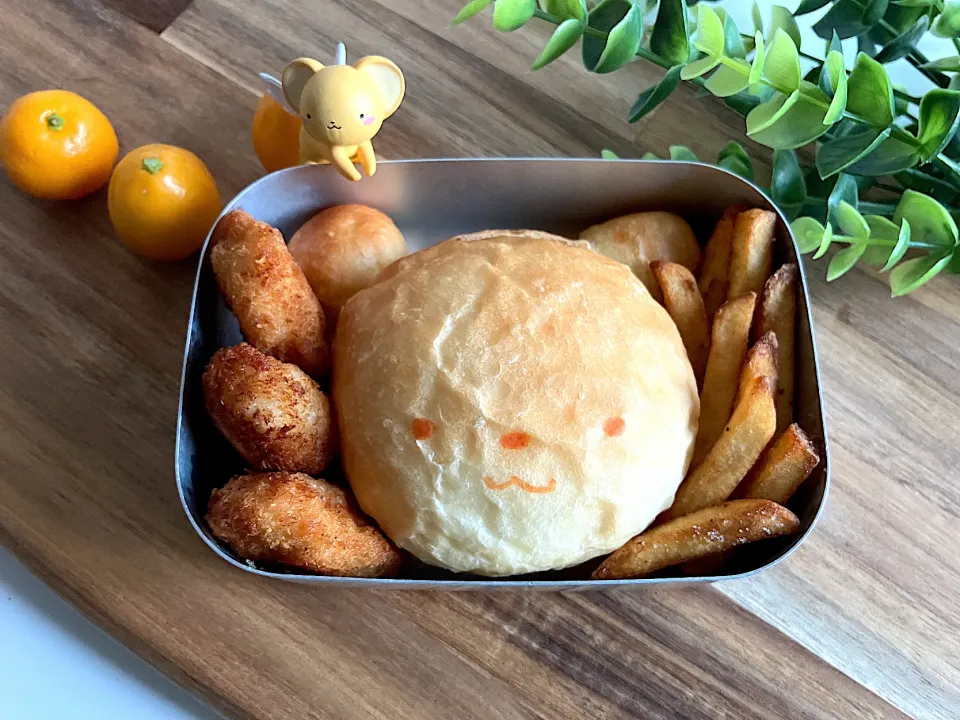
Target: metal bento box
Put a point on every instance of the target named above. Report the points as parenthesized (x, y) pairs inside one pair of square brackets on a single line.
[(431, 201)]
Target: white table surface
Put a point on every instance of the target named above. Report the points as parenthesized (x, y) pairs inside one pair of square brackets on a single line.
[(57, 665), (54, 663)]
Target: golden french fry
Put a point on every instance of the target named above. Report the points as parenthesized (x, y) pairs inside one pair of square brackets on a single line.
[(761, 362), (784, 466), (751, 426), (777, 313), (701, 534), (684, 303), (715, 269), (728, 347), (751, 252)]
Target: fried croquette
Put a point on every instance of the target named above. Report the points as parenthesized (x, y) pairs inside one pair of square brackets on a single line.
[(293, 519), (268, 292), (273, 413)]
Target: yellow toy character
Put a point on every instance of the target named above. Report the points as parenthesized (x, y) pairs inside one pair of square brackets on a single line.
[(342, 107)]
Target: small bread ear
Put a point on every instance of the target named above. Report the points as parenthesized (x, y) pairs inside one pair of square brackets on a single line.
[(388, 78), (295, 76)]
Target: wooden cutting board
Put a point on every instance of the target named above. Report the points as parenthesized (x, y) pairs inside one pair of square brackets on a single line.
[(861, 622)]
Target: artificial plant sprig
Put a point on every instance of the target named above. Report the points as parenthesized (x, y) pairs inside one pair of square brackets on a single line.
[(867, 135)]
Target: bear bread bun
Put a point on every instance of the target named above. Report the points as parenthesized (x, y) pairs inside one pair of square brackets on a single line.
[(512, 404)]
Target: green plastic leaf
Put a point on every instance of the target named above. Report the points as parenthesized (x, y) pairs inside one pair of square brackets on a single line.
[(911, 274), (808, 232), (947, 64), (850, 221), (563, 38), (891, 156), (929, 220), (828, 79), (759, 57), (609, 155), (735, 159), (903, 44), (882, 228), (782, 64), (566, 9), (870, 94), (510, 15), (954, 265), (757, 17), (469, 10), (742, 103), (844, 260), (846, 18), (699, 67), (947, 25), (845, 190), (622, 42), (939, 119), (651, 97), (787, 187), (835, 45), (900, 106), (738, 167), (783, 19), (681, 152), (900, 249), (836, 155), (671, 35), (649, 156), (809, 6), (935, 187), (785, 123), (834, 75), (874, 11), (884, 236), (771, 112), (825, 241), (727, 81), (917, 3), (817, 186), (710, 38), (732, 43), (603, 17)]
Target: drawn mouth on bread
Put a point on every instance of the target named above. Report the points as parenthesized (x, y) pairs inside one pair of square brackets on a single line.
[(520, 483)]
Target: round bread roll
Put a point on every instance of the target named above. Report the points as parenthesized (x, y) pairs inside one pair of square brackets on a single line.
[(511, 405), (641, 238), (415, 259), (343, 249)]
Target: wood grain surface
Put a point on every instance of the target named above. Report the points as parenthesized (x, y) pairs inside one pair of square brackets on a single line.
[(860, 622)]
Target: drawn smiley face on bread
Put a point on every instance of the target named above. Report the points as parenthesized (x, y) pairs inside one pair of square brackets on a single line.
[(422, 430), (512, 404)]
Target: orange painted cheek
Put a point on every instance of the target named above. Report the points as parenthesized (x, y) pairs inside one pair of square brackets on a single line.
[(422, 428), (614, 426), (514, 441)]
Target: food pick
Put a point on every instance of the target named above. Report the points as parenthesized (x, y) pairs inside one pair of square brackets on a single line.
[(342, 107)]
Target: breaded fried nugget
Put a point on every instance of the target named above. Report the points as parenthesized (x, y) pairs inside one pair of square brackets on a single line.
[(293, 519), (273, 413), (268, 292)]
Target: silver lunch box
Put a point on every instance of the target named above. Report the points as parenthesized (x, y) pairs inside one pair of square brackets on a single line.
[(430, 201)]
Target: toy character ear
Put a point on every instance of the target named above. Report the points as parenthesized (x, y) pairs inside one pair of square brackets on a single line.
[(295, 76), (388, 78)]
